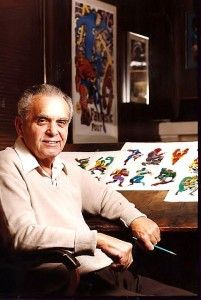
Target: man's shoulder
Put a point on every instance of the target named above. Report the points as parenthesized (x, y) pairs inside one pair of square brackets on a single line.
[(8, 155), (8, 152)]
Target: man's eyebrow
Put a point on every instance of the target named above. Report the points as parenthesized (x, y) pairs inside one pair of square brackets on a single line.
[(42, 116), (49, 117)]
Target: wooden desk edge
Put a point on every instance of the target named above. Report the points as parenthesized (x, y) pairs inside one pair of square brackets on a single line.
[(103, 225), (178, 229)]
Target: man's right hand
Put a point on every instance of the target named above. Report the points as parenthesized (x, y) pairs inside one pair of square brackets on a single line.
[(146, 231), (120, 251)]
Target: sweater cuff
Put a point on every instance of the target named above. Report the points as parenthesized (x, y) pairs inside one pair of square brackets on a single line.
[(131, 214), (85, 242)]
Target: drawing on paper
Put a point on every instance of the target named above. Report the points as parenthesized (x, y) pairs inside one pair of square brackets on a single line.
[(82, 162), (145, 166), (166, 176), (177, 154), (189, 184), (134, 154), (154, 157), (102, 164), (118, 176), (140, 174)]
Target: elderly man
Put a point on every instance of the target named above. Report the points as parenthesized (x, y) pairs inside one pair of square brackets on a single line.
[(43, 198)]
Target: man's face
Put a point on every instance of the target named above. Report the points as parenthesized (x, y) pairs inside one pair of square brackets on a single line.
[(45, 130)]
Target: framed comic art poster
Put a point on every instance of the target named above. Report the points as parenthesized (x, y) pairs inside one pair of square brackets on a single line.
[(137, 68), (94, 72)]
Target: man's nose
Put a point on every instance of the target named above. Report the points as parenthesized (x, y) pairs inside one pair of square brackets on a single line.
[(52, 129)]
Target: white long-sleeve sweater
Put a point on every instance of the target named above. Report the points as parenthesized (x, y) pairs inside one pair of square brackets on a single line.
[(39, 211)]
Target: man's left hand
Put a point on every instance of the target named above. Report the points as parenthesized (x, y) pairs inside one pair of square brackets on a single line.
[(146, 231)]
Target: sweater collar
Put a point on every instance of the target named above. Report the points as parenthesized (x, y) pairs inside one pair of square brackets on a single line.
[(28, 160)]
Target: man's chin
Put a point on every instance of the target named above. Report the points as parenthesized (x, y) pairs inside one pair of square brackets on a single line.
[(51, 154)]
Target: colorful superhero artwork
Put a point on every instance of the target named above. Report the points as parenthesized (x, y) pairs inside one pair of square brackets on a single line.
[(177, 154), (154, 157), (102, 164), (145, 166), (82, 162), (165, 176), (189, 183), (118, 176), (134, 154), (139, 176), (94, 70), (97, 164)]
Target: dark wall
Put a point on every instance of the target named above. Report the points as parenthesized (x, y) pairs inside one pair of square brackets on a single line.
[(21, 57), (173, 88)]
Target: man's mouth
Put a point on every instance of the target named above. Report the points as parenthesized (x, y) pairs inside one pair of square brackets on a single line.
[(51, 142)]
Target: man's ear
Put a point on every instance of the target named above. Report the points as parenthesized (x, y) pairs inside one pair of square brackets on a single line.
[(18, 125)]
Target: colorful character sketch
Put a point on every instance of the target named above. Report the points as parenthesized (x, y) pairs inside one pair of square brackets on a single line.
[(140, 174), (165, 176), (193, 168), (83, 162), (154, 157), (118, 175), (189, 183), (94, 62), (134, 154), (102, 164), (177, 154)]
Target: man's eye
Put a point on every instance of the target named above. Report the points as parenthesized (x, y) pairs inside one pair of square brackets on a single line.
[(62, 122), (41, 121)]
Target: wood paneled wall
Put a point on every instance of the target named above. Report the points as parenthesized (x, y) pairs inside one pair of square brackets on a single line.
[(21, 58)]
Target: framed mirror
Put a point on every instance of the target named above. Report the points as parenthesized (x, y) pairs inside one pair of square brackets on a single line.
[(137, 69)]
